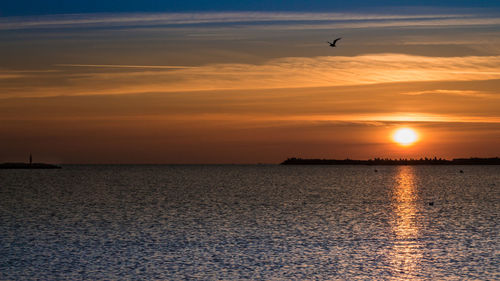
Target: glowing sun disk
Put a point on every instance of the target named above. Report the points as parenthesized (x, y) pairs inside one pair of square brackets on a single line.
[(405, 136)]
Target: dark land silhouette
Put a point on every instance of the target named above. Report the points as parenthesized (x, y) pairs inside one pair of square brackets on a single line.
[(28, 166), (387, 161)]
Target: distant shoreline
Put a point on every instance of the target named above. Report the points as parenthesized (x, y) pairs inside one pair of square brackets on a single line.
[(394, 162), (28, 166)]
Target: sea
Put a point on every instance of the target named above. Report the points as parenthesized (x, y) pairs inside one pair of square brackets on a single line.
[(250, 222)]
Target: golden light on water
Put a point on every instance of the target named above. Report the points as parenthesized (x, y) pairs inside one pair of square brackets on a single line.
[(406, 252), (405, 136)]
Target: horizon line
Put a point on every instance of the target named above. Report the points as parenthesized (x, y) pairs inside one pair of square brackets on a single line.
[(266, 163)]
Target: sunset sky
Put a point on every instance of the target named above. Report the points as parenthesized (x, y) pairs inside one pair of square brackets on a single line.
[(247, 81)]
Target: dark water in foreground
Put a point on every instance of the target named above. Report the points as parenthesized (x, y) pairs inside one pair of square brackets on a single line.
[(251, 222)]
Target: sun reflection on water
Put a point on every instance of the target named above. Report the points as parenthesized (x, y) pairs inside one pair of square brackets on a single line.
[(406, 253)]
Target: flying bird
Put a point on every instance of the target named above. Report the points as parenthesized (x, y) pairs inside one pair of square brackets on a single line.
[(332, 44)]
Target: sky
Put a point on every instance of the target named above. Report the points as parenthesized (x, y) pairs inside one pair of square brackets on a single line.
[(192, 82)]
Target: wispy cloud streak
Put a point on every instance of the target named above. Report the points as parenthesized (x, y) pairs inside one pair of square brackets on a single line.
[(465, 93), (292, 72), (125, 66), (144, 19)]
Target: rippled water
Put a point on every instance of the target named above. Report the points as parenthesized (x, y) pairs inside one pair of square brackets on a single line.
[(251, 222)]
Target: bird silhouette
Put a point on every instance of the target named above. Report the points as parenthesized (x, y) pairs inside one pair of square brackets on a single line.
[(332, 44)]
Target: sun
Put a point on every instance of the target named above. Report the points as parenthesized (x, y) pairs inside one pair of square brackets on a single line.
[(405, 136)]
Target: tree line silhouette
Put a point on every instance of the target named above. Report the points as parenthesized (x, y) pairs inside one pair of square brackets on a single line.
[(400, 161)]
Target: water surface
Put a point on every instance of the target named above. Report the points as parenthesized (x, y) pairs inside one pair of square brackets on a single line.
[(251, 222)]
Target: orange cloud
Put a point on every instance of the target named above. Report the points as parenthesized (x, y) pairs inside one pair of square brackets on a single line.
[(293, 72)]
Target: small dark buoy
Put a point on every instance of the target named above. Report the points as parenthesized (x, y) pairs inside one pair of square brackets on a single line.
[(431, 203), (375, 170), (461, 172)]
